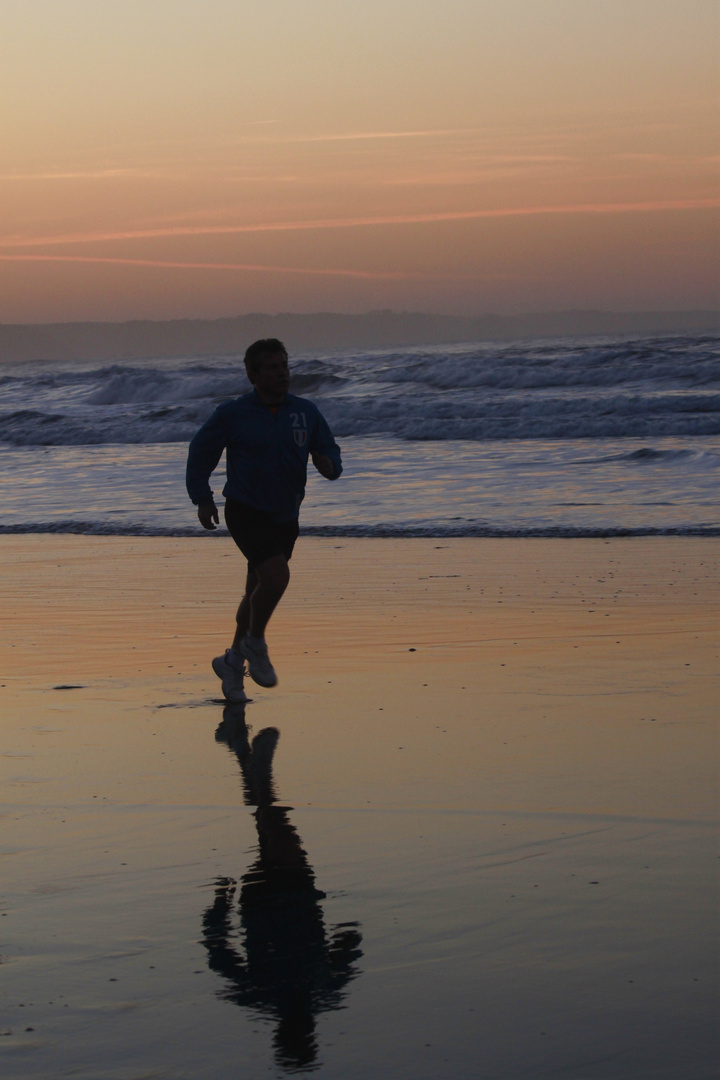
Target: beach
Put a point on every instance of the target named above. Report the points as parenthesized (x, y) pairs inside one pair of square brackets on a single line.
[(436, 285), (485, 793)]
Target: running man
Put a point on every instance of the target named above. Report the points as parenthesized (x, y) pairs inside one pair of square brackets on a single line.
[(268, 435)]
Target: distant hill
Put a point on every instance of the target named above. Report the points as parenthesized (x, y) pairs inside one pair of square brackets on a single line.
[(322, 331)]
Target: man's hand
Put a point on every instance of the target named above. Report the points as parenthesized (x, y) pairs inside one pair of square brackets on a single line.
[(207, 514), (323, 464)]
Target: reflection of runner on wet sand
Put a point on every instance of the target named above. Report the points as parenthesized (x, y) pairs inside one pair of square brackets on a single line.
[(281, 961)]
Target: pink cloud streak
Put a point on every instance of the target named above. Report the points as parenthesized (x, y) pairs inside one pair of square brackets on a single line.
[(348, 223)]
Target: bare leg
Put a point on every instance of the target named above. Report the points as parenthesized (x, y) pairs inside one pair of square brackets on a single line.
[(263, 591), (242, 619)]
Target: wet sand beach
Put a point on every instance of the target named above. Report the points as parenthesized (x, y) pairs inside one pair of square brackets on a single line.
[(470, 834)]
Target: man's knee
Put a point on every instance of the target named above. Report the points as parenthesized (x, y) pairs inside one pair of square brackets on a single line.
[(274, 573)]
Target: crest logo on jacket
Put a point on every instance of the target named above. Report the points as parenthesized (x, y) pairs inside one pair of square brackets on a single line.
[(300, 436)]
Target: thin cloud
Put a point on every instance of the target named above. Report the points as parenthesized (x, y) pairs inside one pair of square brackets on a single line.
[(170, 264), (363, 222), (359, 135), (81, 174), (251, 267)]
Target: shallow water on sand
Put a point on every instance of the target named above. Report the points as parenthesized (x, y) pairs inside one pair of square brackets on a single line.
[(570, 487), (469, 835), (184, 896)]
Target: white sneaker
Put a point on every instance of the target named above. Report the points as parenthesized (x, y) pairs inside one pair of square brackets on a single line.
[(232, 679), (259, 666)]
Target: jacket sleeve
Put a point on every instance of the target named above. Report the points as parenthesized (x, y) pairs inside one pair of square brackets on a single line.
[(323, 443), (203, 455)]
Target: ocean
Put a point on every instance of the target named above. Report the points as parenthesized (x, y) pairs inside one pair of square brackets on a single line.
[(567, 437)]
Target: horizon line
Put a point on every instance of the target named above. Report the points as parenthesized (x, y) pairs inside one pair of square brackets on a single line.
[(375, 311)]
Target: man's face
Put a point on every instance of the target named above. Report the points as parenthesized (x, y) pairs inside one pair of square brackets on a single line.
[(272, 378)]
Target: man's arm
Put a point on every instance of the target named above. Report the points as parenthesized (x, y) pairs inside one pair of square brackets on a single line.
[(204, 453), (324, 451)]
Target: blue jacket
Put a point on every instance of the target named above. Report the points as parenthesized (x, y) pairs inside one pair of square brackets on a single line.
[(267, 453)]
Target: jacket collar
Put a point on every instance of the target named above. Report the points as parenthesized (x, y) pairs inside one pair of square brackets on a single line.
[(257, 400)]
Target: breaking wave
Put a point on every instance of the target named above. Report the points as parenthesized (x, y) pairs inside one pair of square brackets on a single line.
[(566, 389)]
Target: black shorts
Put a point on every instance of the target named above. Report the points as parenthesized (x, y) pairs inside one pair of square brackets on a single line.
[(257, 535)]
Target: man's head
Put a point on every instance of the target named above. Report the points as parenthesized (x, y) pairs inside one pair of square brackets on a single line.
[(266, 364)]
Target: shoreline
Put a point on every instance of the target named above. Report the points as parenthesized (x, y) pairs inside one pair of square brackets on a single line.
[(374, 532)]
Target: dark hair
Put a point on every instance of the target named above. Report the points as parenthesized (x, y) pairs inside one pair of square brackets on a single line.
[(264, 347)]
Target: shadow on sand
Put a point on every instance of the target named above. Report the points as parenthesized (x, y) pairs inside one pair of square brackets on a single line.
[(278, 959)]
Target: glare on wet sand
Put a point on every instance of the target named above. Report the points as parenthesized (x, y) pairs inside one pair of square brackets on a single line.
[(467, 835)]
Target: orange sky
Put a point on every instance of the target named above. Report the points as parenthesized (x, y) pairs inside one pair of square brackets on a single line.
[(167, 158)]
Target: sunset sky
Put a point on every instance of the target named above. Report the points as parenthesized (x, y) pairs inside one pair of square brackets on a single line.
[(205, 158)]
